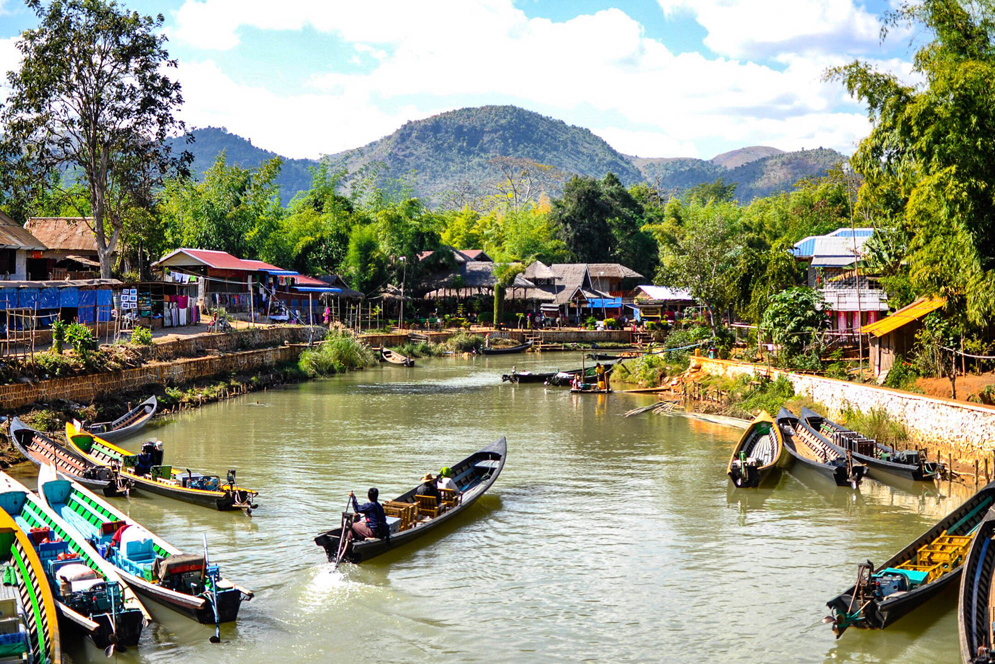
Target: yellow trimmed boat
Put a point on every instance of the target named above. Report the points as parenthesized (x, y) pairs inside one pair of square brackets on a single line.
[(205, 490), (40, 642), (759, 451)]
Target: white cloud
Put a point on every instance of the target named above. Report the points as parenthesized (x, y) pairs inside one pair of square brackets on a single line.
[(595, 70), (750, 29), (10, 59)]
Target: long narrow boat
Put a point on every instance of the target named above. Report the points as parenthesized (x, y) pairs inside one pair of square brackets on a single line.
[(473, 475), (758, 453), (90, 596), (885, 593), (34, 594), (204, 490), (909, 464), (977, 603), (394, 357), (817, 455), (131, 422), (507, 350), (625, 355), (39, 449), (527, 377), (153, 567)]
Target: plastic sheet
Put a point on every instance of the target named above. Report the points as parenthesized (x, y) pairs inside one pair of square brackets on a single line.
[(49, 298), (68, 297), (27, 298), (8, 298)]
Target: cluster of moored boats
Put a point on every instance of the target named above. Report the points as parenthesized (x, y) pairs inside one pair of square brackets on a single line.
[(960, 548), (82, 567)]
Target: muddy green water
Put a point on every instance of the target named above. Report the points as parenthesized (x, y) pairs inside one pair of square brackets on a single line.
[(605, 539)]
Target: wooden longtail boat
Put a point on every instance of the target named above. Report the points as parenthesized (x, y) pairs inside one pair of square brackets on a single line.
[(817, 455), (204, 490), (154, 568), (396, 358), (34, 594), (473, 475), (527, 377), (976, 603), (885, 593), (89, 594), (508, 350), (561, 378), (131, 422), (908, 464), (626, 355), (39, 449), (759, 451)]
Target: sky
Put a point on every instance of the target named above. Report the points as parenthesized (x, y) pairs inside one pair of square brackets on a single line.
[(654, 78)]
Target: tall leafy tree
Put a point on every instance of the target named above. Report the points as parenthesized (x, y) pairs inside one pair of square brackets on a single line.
[(92, 98)]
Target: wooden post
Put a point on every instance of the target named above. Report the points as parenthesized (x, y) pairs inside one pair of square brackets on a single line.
[(987, 478), (975, 474), (310, 310), (252, 305)]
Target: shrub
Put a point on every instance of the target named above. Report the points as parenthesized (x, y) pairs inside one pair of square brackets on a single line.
[(81, 339), (902, 376), (464, 342), (485, 318), (591, 323), (767, 395), (55, 365), (611, 324), (876, 424), (337, 354), (142, 336), (58, 336), (649, 370)]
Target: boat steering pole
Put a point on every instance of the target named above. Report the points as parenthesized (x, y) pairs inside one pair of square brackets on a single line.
[(345, 533)]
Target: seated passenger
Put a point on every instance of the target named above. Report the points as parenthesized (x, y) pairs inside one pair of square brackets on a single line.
[(428, 488), (445, 480), (375, 523), (145, 460)]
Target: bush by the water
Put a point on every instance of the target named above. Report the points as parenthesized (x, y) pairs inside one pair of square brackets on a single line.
[(337, 354), (418, 349), (768, 395), (142, 336), (464, 342), (877, 424), (650, 370)]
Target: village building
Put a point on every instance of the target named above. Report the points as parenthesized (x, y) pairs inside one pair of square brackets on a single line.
[(660, 303), (850, 302), (70, 248), (894, 337), (17, 247)]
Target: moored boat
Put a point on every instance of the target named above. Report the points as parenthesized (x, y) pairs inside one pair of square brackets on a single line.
[(39, 449), (885, 593), (817, 455), (154, 568), (506, 350), (758, 453), (41, 640), (527, 377), (131, 422), (90, 596), (393, 357), (164, 480), (910, 464), (976, 603), (474, 475)]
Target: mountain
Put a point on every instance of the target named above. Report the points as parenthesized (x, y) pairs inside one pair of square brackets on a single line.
[(457, 151), (209, 142), (743, 156), (757, 171), (436, 154)]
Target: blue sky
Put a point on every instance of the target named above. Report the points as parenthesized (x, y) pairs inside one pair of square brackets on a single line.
[(655, 78)]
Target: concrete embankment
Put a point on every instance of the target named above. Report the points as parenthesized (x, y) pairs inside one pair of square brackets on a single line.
[(965, 430)]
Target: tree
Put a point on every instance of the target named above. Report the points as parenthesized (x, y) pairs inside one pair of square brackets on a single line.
[(793, 319), (926, 156), (91, 97), (522, 181), (504, 274)]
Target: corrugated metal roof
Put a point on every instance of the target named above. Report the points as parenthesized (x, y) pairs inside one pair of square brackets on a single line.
[(848, 232), (904, 316), (664, 294), (12, 236), (612, 270), (219, 260), (803, 248), (831, 244)]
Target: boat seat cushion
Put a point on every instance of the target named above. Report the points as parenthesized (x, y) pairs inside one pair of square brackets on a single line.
[(139, 549)]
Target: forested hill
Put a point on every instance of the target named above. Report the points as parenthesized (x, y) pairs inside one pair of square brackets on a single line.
[(442, 153), (756, 175), (462, 151)]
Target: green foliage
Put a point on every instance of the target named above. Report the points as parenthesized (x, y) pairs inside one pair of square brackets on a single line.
[(55, 365), (793, 319), (767, 395), (337, 354), (419, 349), (650, 370), (81, 338), (902, 376), (464, 342), (611, 324), (142, 336), (876, 424), (58, 335)]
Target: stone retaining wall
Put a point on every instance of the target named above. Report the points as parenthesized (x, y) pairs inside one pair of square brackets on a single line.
[(87, 388), (964, 429), (233, 341)]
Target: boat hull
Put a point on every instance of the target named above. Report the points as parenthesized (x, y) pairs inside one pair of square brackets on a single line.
[(99, 629), (223, 503), (149, 407), (974, 605), (359, 552), (521, 348), (196, 608)]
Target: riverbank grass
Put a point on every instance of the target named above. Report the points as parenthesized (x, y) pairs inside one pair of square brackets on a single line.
[(337, 354)]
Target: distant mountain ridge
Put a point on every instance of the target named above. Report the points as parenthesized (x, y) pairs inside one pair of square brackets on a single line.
[(461, 148)]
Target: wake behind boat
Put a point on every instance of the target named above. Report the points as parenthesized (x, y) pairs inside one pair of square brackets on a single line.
[(131, 422), (153, 567), (146, 472), (409, 517), (39, 449)]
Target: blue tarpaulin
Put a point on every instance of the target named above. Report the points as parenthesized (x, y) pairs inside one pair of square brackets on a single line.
[(68, 297), (49, 298), (8, 298), (105, 298), (27, 298), (605, 303), (87, 298)]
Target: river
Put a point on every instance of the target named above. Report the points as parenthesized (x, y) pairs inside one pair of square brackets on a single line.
[(605, 539)]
